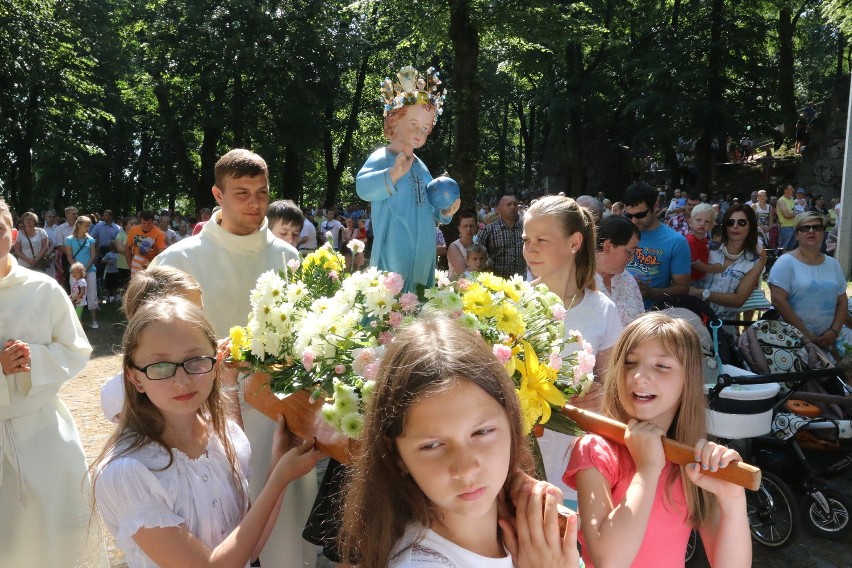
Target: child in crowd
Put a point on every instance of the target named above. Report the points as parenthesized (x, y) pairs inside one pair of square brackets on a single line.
[(171, 483), (111, 278), (43, 504), (442, 442), (700, 221), (286, 221), (80, 247), (476, 258), (637, 509), (145, 286), (715, 237), (78, 288)]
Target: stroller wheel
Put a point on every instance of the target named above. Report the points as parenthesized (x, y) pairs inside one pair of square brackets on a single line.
[(827, 514), (695, 549), (772, 512)]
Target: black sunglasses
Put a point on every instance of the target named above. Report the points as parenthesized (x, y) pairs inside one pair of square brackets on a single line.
[(739, 222), (641, 215), (166, 370), (810, 228)]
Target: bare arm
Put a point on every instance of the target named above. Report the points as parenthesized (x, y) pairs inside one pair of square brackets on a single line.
[(614, 531), (746, 286), (456, 260), (708, 268), (679, 285), (177, 547)]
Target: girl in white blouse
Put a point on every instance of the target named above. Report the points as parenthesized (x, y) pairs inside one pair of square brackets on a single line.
[(171, 483)]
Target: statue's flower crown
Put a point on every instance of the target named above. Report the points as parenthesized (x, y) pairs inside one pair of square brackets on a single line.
[(413, 89)]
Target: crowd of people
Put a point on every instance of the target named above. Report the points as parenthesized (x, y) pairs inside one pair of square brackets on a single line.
[(192, 476)]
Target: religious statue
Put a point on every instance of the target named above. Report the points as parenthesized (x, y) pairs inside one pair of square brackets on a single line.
[(394, 180)]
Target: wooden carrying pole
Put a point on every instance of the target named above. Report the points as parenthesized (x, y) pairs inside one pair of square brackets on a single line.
[(737, 472)]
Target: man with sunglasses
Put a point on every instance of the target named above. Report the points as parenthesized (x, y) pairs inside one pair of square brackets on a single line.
[(661, 264)]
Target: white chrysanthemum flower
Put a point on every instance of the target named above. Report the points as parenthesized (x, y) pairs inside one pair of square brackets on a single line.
[(331, 415), (345, 400), (355, 246), (296, 291), (352, 424), (378, 301), (367, 391)]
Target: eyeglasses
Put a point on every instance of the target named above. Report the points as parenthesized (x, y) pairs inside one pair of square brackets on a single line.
[(166, 370), (640, 215), (810, 228), (737, 222)]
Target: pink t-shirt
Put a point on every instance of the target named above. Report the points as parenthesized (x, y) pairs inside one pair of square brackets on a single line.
[(665, 540), (698, 251)]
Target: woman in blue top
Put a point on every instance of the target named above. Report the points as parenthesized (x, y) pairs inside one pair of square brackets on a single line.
[(808, 288), (80, 247)]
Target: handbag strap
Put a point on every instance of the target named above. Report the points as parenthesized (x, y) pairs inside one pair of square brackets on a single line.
[(32, 250), (82, 246)]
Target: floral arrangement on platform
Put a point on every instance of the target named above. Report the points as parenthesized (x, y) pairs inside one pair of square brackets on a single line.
[(316, 327)]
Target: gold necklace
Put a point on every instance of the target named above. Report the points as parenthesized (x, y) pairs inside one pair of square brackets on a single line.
[(574, 297)]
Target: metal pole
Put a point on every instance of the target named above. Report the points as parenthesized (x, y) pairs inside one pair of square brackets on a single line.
[(844, 230)]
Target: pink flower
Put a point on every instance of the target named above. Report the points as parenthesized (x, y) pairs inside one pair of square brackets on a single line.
[(408, 302), (555, 362), (392, 281), (464, 284), (371, 371), (293, 264), (558, 312), (502, 352), (585, 362), (394, 319), (308, 358), (333, 274), (444, 282), (385, 337), (340, 369)]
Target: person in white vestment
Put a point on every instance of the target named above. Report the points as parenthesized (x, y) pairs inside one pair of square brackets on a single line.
[(226, 258), (44, 490)]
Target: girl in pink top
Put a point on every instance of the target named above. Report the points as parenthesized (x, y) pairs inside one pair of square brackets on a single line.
[(635, 508)]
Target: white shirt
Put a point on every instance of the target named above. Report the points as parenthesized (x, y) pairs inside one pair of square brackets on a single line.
[(134, 492), (310, 231), (424, 548), (334, 227)]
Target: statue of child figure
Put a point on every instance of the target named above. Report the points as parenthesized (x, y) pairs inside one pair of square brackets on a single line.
[(395, 181)]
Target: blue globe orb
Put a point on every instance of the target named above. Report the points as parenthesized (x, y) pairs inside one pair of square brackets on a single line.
[(442, 192)]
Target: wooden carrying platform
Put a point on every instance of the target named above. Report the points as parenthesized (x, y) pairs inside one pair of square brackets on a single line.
[(303, 416)]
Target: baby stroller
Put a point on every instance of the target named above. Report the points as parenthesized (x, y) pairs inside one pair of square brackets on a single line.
[(742, 411), (811, 427)]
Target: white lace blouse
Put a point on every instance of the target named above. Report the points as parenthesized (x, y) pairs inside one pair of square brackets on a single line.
[(134, 492)]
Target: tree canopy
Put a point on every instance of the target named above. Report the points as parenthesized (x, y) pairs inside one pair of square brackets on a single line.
[(127, 105)]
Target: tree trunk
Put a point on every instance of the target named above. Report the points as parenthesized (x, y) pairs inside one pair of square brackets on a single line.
[(334, 171), (502, 136), (238, 104), (209, 144), (292, 173), (786, 86), (467, 91), (715, 117), (576, 139)]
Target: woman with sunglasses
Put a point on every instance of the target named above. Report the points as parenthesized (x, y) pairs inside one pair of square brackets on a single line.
[(743, 260), (617, 239), (808, 288)]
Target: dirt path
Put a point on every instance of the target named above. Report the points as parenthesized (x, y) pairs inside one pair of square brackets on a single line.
[(82, 397)]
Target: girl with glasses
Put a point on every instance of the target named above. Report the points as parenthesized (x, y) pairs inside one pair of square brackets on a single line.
[(742, 259), (171, 483), (808, 288)]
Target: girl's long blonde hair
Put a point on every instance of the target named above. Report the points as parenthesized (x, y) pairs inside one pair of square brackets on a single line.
[(427, 357), (572, 218), (681, 341), (141, 422), (78, 224)]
